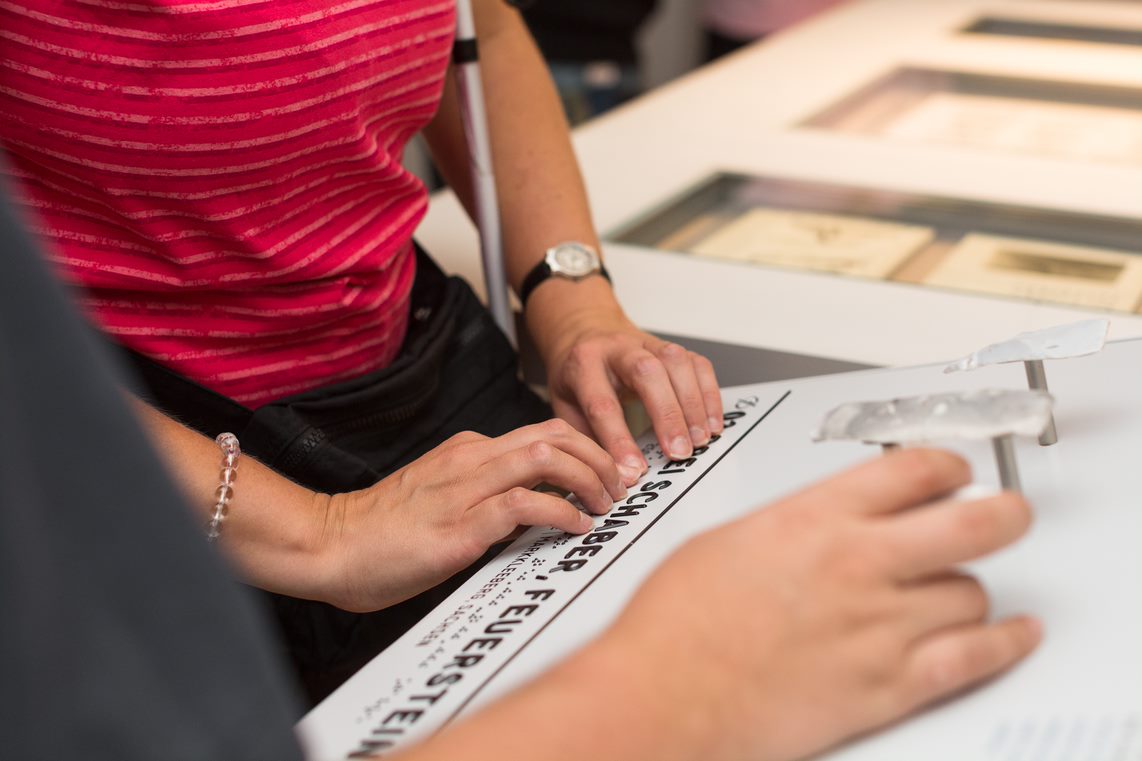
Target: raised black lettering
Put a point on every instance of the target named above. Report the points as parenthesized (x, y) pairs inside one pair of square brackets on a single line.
[(501, 627), (483, 643), (539, 594), (731, 416), (465, 661), (370, 747), (437, 680), (404, 716), (519, 610), (430, 699)]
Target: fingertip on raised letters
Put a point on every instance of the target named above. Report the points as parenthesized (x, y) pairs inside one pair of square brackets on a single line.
[(680, 448), (699, 437), (631, 469)]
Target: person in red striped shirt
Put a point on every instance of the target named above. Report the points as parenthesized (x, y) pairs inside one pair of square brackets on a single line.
[(222, 181)]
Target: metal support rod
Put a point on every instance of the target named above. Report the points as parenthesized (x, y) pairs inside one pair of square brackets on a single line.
[(483, 178), (1005, 460), (1037, 380)]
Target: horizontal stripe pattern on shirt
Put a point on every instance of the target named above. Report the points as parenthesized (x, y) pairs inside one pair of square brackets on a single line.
[(223, 178)]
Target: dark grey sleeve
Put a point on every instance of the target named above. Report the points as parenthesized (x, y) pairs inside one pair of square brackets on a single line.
[(122, 636)]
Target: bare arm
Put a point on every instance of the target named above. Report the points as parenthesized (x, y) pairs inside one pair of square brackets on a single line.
[(275, 527), (369, 549), (540, 190), (592, 352)]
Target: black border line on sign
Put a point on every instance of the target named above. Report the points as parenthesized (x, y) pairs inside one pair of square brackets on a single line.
[(613, 560)]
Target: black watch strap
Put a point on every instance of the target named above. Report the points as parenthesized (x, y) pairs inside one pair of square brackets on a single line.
[(541, 272)]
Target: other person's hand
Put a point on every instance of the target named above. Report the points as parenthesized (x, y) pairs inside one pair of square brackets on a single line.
[(597, 356), (833, 612)]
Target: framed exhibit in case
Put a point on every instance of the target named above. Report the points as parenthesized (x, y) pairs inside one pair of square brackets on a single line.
[(838, 243), (1043, 118), (1041, 271), (1010, 251)]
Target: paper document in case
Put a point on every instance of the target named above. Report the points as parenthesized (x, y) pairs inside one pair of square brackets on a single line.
[(835, 243), (1018, 125), (1044, 271)]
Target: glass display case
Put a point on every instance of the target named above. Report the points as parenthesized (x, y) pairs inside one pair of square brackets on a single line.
[(1010, 251)]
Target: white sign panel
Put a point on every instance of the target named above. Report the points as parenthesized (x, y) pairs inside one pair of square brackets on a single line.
[(1079, 696)]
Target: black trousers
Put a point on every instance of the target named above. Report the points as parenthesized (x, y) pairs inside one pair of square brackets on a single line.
[(456, 372)]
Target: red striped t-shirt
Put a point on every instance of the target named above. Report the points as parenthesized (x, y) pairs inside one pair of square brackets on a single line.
[(223, 177)]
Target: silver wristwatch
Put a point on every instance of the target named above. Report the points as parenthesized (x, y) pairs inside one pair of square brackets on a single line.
[(570, 260)]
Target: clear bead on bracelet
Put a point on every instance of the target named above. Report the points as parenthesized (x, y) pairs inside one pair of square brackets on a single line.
[(225, 491)]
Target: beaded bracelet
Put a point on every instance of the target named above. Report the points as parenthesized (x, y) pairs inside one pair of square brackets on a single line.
[(225, 492)]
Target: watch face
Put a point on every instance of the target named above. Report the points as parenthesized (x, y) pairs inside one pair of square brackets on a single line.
[(573, 260)]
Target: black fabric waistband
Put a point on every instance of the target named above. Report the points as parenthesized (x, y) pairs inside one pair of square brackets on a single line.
[(205, 410)]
